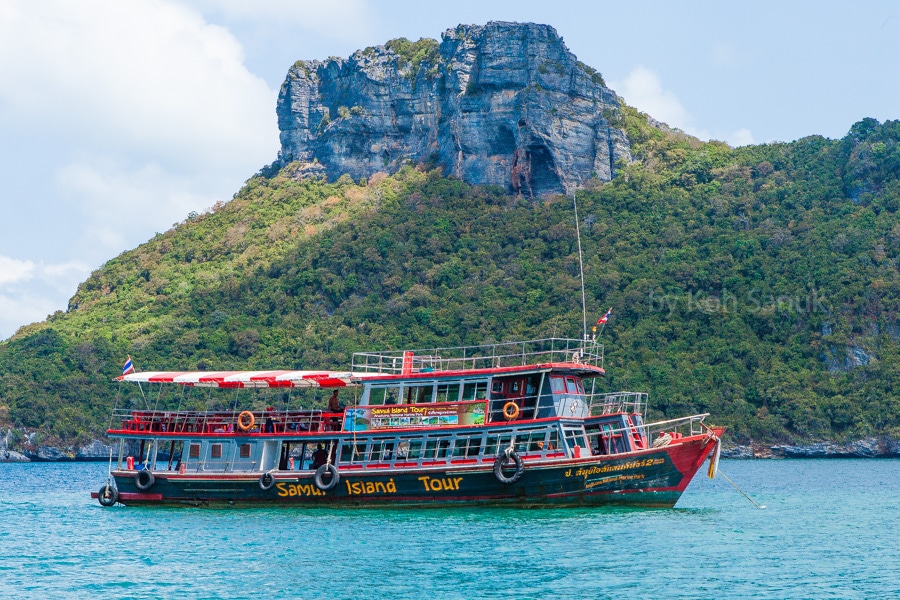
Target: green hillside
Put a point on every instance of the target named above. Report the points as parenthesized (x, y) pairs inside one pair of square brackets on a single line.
[(759, 284)]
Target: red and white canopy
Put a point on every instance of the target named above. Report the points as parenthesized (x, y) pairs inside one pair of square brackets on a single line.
[(251, 379)]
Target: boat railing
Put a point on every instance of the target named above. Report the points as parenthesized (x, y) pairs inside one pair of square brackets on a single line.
[(486, 356), (187, 421), (616, 440), (673, 429), (616, 402)]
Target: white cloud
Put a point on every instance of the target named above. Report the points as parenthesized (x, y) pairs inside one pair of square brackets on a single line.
[(142, 111), (141, 77), (29, 290), (741, 137), (643, 89), (12, 270)]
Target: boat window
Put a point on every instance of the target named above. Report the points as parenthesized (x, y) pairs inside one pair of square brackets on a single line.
[(437, 448), (245, 450), (467, 445), (384, 395), (382, 450), (351, 452), (447, 392), (497, 387), (536, 441), (475, 391), (419, 394), (573, 386), (553, 441), (557, 384), (496, 443), (194, 451), (215, 451), (414, 451), (575, 437)]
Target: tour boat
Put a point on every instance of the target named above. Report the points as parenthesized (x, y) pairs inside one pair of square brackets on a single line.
[(502, 424)]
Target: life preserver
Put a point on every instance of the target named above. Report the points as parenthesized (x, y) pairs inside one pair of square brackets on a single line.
[(144, 480), (510, 410), (501, 462), (266, 481), (246, 421), (320, 475), (108, 495)]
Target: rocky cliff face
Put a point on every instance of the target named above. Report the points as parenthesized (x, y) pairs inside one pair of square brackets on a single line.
[(503, 103)]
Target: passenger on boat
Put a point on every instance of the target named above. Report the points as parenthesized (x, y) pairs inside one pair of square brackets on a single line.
[(319, 457), (391, 399), (335, 405)]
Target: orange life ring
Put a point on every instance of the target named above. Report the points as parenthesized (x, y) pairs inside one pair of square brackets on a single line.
[(510, 410), (246, 421)]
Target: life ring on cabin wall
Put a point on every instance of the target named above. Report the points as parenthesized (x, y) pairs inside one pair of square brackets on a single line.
[(144, 480), (511, 411), (500, 463), (246, 421), (319, 479), (266, 481), (108, 495)]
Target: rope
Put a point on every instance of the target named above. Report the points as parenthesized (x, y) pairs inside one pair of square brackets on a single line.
[(740, 490), (109, 468)]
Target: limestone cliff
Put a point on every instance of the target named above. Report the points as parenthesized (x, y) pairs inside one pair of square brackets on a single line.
[(502, 103)]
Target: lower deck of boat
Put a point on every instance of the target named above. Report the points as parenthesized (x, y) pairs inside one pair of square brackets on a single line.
[(654, 477)]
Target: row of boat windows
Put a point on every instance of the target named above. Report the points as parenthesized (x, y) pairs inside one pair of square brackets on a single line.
[(443, 447), (422, 393), (428, 392), (386, 449)]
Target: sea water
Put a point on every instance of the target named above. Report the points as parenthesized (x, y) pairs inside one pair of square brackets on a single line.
[(830, 529)]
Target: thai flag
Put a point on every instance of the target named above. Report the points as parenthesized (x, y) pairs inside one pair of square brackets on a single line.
[(602, 320), (128, 367)]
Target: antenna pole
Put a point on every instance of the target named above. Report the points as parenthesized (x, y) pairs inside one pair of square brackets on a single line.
[(581, 268)]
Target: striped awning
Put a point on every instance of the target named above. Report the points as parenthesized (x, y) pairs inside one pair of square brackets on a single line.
[(251, 379)]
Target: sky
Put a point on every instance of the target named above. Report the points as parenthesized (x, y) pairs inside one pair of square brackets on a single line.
[(117, 119)]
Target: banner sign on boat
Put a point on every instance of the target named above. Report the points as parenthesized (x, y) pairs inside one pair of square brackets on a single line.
[(392, 416)]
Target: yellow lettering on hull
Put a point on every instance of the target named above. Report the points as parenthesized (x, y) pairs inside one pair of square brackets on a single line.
[(290, 490), (434, 484), (365, 488)]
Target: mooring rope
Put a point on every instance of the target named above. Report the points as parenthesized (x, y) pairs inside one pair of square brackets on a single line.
[(740, 490)]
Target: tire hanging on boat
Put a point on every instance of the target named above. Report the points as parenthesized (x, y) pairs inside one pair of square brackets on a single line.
[(144, 480), (320, 474), (108, 495), (266, 481), (501, 462)]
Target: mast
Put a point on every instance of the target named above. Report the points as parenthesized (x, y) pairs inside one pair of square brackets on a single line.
[(584, 335)]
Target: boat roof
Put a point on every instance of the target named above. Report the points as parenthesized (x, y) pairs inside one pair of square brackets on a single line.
[(336, 379), (251, 379)]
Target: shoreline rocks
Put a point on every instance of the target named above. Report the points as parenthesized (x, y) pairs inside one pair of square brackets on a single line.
[(865, 448)]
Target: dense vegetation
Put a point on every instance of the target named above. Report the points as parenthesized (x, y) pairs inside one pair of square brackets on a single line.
[(759, 284)]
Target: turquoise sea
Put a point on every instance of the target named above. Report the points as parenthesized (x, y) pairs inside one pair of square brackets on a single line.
[(830, 529)]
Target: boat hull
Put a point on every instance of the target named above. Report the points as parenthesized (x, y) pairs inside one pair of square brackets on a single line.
[(653, 477)]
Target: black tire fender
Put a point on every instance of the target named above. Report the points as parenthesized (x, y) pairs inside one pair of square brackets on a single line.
[(266, 481), (319, 479), (108, 495), (501, 462), (144, 480)]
